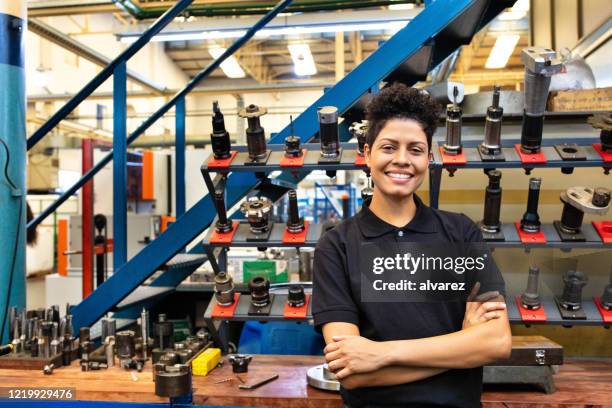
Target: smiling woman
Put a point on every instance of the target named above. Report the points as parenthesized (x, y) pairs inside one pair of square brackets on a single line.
[(403, 353)]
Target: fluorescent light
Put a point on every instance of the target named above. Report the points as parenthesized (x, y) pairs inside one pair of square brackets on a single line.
[(230, 66), (303, 63), (503, 48), (512, 15), (267, 32), (405, 6), (516, 12)]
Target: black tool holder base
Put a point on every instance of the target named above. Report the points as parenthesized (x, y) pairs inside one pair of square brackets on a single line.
[(570, 151), (262, 237), (259, 162), (566, 237), (261, 311), (486, 157), (570, 314), (331, 160), (492, 236)]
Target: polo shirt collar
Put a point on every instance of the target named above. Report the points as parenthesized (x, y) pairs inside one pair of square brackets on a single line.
[(371, 226)]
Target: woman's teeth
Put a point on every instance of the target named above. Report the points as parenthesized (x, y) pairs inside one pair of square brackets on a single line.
[(399, 175)]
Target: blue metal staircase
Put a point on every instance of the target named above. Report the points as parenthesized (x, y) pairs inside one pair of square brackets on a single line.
[(442, 27)]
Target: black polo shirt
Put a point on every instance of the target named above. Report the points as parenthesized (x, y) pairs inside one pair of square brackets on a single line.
[(336, 298)]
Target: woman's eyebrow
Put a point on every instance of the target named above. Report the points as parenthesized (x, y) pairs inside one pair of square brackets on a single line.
[(388, 139)]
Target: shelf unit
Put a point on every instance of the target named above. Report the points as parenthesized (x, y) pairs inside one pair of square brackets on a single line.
[(216, 252)]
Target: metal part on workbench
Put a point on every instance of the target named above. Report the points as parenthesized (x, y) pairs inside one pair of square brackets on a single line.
[(163, 332), (173, 381), (258, 383), (240, 362), (320, 377)]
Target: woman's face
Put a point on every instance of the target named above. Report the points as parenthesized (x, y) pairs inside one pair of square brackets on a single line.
[(399, 158)]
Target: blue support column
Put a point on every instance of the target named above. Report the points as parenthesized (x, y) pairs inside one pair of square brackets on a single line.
[(179, 152), (119, 167), (12, 158)]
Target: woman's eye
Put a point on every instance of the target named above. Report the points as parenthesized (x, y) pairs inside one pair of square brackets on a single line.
[(388, 147), (417, 151)]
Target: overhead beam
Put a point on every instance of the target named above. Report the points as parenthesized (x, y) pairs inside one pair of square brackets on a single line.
[(68, 43), (208, 91)]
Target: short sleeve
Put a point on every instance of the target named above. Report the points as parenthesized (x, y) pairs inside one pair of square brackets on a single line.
[(490, 278), (331, 295)]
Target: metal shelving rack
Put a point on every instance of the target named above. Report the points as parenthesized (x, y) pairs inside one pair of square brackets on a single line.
[(217, 254)]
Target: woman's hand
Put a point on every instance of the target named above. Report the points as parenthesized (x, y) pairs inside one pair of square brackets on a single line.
[(353, 354), (480, 309)]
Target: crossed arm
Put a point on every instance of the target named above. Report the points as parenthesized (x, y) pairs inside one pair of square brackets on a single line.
[(360, 362)]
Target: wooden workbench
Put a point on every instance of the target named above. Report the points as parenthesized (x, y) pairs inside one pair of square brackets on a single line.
[(579, 383)]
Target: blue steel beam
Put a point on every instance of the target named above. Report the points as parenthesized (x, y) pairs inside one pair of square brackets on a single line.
[(119, 166), (179, 152), (92, 85), (403, 44), (162, 111)]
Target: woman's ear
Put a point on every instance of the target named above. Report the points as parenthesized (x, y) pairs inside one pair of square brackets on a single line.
[(366, 153)]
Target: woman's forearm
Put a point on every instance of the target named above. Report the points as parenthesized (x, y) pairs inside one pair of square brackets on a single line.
[(392, 375), (467, 348)]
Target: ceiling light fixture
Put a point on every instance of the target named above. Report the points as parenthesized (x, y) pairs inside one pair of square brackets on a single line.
[(303, 63), (230, 66), (516, 12), (276, 31), (501, 51)]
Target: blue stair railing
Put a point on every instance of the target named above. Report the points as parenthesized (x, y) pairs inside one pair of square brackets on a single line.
[(425, 42)]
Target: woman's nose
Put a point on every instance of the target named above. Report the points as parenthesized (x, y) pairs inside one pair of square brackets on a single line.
[(401, 157)]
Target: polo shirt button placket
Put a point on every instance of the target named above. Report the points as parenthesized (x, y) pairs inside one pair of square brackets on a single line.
[(400, 233)]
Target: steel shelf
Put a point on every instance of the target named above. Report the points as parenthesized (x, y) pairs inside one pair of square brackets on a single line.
[(553, 316), (275, 240), (473, 160)]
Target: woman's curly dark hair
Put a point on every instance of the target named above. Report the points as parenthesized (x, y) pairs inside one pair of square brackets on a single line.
[(399, 101)]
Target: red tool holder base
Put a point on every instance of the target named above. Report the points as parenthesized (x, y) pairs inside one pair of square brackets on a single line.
[(530, 237), (225, 311), (528, 315), (530, 158), (296, 312), (293, 161), (223, 163), (606, 315), (299, 238), (224, 238), (604, 229), (452, 158), (360, 160), (606, 156)]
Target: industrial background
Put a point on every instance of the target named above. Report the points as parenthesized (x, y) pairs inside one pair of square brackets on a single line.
[(150, 97)]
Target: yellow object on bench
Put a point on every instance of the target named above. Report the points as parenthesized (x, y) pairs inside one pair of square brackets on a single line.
[(206, 361)]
